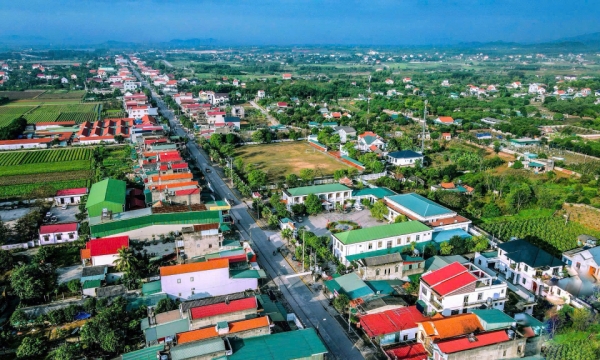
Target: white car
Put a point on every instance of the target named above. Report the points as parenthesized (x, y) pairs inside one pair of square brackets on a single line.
[(64, 207)]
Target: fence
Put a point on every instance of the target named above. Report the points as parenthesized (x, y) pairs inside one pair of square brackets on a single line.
[(25, 245), (372, 176)]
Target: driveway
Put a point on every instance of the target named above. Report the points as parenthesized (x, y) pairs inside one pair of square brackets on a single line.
[(67, 215)]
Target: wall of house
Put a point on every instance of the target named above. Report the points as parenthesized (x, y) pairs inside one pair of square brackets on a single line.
[(391, 271), (341, 250), (404, 161), (204, 284), (524, 275), (211, 320), (195, 245), (60, 200), (147, 232), (584, 264), (506, 350), (53, 238), (393, 213), (104, 260), (456, 303), (398, 337)]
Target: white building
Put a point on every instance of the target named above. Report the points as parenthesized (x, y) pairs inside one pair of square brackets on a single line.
[(203, 279), (129, 85), (261, 94), (378, 238), (69, 196), (584, 260), (458, 288), (345, 132), (370, 142), (404, 158), (329, 194), (417, 207), (58, 233), (103, 251)]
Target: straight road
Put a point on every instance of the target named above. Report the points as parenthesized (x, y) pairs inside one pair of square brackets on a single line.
[(271, 119), (306, 304)]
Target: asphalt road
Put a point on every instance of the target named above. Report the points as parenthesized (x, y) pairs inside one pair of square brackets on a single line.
[(303, 301)]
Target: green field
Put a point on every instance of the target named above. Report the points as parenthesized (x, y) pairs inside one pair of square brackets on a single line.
[(27, 174), (39, 112)]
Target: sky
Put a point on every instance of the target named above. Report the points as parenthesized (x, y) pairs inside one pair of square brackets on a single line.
[(299, 22)]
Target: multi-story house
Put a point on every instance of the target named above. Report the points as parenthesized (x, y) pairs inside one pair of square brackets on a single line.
[(525, 264), (330, 194), (458, 288), (369, 141), (393, 326), (584, 260), (372, 239)]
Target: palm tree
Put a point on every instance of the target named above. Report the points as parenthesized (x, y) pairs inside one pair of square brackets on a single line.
[(287, 234), (126, 260)]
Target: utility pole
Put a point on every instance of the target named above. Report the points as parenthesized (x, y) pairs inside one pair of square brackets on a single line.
[(424, 122), (303, 247)]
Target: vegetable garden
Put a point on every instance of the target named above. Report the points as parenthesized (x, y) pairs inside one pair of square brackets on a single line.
[(49, 113), (551, 230)]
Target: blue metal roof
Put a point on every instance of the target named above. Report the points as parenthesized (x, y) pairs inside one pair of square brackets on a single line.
[(445, 235), (419, 205), (405, 154)]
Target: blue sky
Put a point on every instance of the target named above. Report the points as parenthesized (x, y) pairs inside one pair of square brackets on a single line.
[(289, 22)]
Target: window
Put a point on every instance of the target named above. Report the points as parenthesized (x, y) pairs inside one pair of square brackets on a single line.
[(379, 244), (479, 261), (71, 236), (193, 292), (377, 272), (504, 353), (555, 271), (192, 279), (410, 267), (370, 246), (424, 291), (408, 238), (405, 338), (479, 296), (578, 266), (179, 281), (524, 281), (58, 236), (209, 246), (179, 294), (466, 299), (526, 268), (398, 241), (389, 244), (502, 292), (418, 237), (46, 238), (396, 268)]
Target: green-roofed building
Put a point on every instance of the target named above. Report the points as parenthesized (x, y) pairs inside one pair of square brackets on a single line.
[(376, 238), (207, 349), (493, 319), (416, 207), (372, 194), (351, 285), (107, 194), (149, 353), (291, 345), (152, 287), (161, 331), (330, 194)]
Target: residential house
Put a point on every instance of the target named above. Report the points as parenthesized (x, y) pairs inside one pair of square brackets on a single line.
[(370, 142), (445, 83), (203, 279), (516, 84), (446, 120), (584, 260), (306, 345), (458, 288), (286, 76), (329, 194), (103, 251), (345, 132), (214, 117), (404, 158), (406, 80), (449, 186), (417, 207), (228, 310), (533, 88), (389, 81), (240, 329), (69, 196), (20, 144), (525, 264), (261, 94), (393, 265), (381, 237), (570, 77), (522, 142), (446, 136), (106, 198), (393, 326), (238, 111), (58, 233)]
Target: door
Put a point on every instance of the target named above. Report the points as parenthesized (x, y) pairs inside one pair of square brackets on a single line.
[(592, 271), (62, 201), (389, 244), (534, 287)]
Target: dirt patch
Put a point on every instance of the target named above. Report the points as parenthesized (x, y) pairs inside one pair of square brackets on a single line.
[(281, 159), (586, 216)]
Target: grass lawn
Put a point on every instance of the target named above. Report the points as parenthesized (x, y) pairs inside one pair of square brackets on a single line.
[(281, 159)]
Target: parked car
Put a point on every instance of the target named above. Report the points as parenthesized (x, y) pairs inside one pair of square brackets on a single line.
[(64, 207)]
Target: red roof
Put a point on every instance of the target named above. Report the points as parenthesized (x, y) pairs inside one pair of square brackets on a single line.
[(107, 246), (215, 113), (71, 192), (449, 278), (446, 119), (182, 165), (58, 228), (26, 141), (408, 352), (282, 104), (481, 340), (391, 321), (223, 308), (187, 192)]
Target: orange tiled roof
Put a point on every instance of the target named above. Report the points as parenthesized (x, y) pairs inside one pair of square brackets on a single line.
[(452, 326), (86, 254), (446, 119), (187, 268), (211, 332), (447, 185)]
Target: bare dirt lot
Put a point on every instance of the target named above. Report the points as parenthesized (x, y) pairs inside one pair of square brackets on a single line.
[(281, 159)]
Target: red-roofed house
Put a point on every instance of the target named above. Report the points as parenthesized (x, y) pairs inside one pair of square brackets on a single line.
[(446, 136), (103, 251), (233, 310), (287, 76), (444, 120), (393, 326), (456, 288), (487, 345), (407, 352), (282, 104), (58, 233), (69, 196)]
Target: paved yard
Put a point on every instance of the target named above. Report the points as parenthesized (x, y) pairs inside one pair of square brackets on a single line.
[(14, 214), (318, 224), (69, 273), (67, 215)]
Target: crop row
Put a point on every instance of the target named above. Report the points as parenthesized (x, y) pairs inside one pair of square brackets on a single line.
[(78, 117), (44, 156), (54, 167), (40, 190), (41, 117), (43, 178), (14, 110)]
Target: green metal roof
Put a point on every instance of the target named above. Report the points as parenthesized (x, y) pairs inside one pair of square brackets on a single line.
[(381, 232), (317, 189), (397, 249), (150, 300), (224, 227), (166, 329), (492, 319), (384, 287), (192, 217), (318, 143), (274, 309), (351, 285), (354, 161), (197, 349), (378, 192), (419, 205), (91, 284), (110, 190), (299, 344), (152, 287), (247, 274), (148, 353)]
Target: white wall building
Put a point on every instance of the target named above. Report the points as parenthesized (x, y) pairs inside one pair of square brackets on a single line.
[(58, 233), (330, 194)]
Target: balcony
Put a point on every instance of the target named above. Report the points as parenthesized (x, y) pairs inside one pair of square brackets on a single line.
[(513, 266)]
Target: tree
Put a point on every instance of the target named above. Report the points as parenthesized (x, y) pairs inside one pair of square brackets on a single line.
[(32, 282), (517, 164), (341, 302), (18, 319), (445, 248), (518, 197), (491, 210), (479, 243), (32, 347), (165, 305), (6, 261), (287, 234), (459, 245), (66, 351), (291, 180), (497, 147), (126, 260), (239, 163), (299, 209), (379, 210), (307, 175), (258, 136), (119, 139), (74, 286), (313, 204), (400, 218), (257, 178), (5, 233)]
